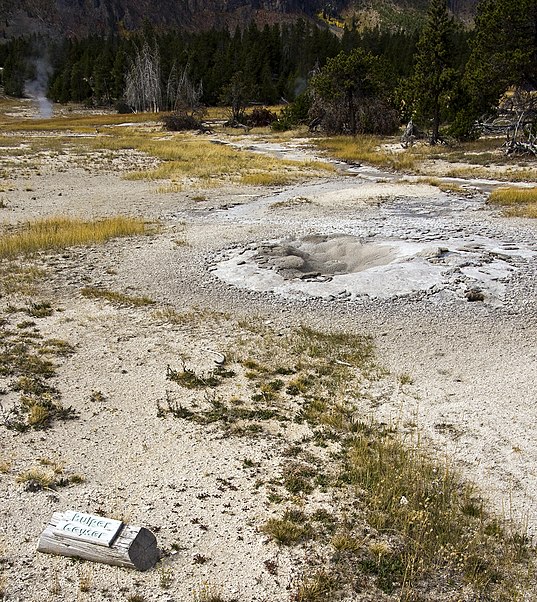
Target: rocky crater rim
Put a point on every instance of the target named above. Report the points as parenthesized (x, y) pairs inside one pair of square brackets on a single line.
[(345, 266)]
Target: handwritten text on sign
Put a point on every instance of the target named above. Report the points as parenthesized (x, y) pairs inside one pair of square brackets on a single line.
[(88, 527)]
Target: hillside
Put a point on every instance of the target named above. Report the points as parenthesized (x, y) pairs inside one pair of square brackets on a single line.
[(84, 17)]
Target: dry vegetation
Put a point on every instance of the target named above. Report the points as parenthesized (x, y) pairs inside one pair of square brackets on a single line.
[(187, 159), (480, 159), (398, 520), (366, 149), (394, 519), (54, 234), (516, 202)]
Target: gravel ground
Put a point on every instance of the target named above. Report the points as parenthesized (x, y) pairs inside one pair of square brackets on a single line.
[(472, 365)]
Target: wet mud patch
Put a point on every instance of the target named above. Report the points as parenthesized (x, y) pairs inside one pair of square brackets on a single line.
[(343, 266)]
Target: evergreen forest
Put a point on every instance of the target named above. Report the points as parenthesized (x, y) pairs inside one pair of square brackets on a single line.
[(442, 74)]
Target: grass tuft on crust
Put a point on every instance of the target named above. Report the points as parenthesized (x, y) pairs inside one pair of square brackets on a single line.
[(517, 202), (56, 233)]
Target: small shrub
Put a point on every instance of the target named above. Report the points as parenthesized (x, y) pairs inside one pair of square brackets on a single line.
[(292, 528), (40, 310), (123, 108), (180, 122), (293, 115), (260, 118)]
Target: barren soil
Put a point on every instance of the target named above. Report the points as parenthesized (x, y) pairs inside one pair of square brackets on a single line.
[(372, 255)]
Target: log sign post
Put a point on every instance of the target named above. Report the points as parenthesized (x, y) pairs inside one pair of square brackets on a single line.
[(99, 539)]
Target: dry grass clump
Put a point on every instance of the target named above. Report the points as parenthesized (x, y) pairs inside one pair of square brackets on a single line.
[(77, 123), (441, 185), (401, 521), (26, 358), (189, 160), (49, 474), (292, 528), (211, 593), (53, 234), (517, 202), (92, 292), (367, 149), (267, 179), (15, 278)]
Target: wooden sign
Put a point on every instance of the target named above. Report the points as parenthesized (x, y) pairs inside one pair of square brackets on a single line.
[(99, 539), (88, 527)]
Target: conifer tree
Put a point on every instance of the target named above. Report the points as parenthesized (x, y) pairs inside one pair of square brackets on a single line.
[(434, 77), (349, 95), (504, 51)]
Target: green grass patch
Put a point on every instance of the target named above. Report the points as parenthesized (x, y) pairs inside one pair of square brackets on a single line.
[(55, 234), (395, 520), (27, 359), (403, 519)]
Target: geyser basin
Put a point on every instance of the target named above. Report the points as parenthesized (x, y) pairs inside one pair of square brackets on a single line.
[(343, 266)]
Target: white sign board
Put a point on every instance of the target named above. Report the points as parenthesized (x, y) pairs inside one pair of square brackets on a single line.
[(88, 527)]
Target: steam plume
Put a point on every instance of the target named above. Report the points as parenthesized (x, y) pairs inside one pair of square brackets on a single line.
[(37, 88)]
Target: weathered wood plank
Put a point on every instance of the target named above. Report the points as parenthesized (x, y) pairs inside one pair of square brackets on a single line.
[(88, 527), (133, 547)]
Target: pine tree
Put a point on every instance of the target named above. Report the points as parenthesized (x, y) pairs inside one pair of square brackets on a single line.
[(433, 79), (504, 51), (349, 95)]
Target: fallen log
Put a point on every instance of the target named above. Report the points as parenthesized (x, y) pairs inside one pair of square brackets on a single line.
[(99, 539)]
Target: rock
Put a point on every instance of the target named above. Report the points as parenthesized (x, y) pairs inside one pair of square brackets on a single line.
[(290, 274), (310, 275), (475, 294), (291, 262), (432, 252)]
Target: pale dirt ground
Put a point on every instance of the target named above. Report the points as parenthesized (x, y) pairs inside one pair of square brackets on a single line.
[(472, 398)]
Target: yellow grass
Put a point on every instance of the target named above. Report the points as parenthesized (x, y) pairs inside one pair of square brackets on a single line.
[(443, 186), (74, 123), (118, 298), (60, 232), (267, 179), (518, 202), (187, 159), (366, 149), (521, 175)]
